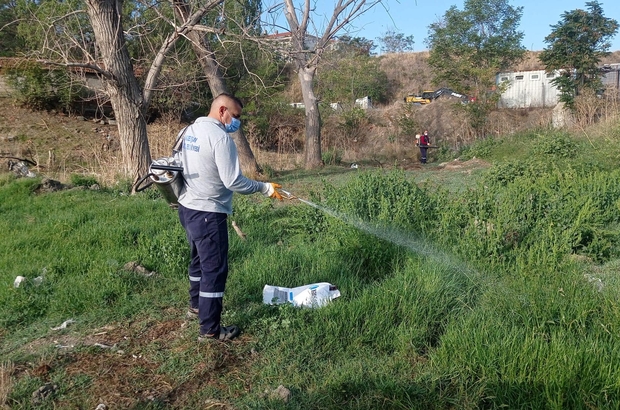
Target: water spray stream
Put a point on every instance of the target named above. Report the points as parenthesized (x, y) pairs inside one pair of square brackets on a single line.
[(404, 239)]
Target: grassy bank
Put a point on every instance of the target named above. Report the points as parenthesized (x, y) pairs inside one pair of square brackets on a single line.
[(499, 291)]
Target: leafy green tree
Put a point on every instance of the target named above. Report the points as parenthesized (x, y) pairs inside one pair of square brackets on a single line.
[(468, 47), (230, 62), (347, 77), (10, 43), (356, 45), (349, 72), (395, 42), (249, 71), (576, 45)]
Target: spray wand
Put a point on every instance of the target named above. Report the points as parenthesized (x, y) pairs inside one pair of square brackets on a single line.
[(290, 196), (286, 194)]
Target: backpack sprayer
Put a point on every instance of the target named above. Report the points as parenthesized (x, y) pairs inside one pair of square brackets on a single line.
[(167, 175)]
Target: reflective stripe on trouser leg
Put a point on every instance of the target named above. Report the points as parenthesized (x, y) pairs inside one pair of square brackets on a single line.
[(211, 294), (194, 288)]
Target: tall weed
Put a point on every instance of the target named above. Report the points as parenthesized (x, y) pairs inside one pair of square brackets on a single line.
[(385, 198), (518, 226)]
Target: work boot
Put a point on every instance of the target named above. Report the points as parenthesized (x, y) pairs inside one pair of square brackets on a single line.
[(192, 313), (226, 333)]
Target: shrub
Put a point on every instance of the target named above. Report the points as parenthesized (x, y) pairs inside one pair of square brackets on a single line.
[(277, 126), (479, 149), (268, 170), (353, 122), (407, 123), (332, 157), (385, 198), (504, 173), (558, 145), (42, 89), (83, 180)]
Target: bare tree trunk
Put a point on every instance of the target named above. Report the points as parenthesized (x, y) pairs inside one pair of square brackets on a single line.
[(121, 85), (313, 157), (217, 84), (307, 58)]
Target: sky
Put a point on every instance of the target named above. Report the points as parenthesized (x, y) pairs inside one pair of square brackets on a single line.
[(412, 17)]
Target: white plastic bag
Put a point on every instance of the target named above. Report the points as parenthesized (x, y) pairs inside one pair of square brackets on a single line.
[(18, 281), (314, 295)]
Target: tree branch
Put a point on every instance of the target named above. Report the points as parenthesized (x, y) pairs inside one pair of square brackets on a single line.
[(20, 159), (158, 61), (93, 67)]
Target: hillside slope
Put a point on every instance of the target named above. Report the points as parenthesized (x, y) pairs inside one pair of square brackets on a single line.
[(410, 73)]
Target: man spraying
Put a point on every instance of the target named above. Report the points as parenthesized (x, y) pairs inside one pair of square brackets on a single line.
[(212, 173), (423, 143)]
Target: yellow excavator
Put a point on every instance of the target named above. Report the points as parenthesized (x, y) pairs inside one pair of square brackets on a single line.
[(426, 97)]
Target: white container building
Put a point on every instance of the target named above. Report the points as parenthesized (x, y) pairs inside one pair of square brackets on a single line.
[(533, 89), (611, 76), (528, 89)]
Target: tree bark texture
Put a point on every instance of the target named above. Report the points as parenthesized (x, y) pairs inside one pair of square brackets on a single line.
[(313, 158), (306, 66), (203, 50), (121, 85)]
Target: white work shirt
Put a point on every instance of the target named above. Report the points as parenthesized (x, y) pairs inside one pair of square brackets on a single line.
[(211, 168)]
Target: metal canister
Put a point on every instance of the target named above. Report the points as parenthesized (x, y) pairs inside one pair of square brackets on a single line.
[(167, 175)]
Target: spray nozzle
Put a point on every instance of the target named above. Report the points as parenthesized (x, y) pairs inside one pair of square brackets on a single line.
[(286, 194)]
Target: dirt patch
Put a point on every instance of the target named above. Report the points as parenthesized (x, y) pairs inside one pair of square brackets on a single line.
[(457, 164), (124, 365), (118, 381), (57, 144)]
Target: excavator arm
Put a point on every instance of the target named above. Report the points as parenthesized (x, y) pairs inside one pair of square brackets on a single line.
[(426, 97)]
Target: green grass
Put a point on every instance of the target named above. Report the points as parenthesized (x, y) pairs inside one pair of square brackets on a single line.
[(497, 292)]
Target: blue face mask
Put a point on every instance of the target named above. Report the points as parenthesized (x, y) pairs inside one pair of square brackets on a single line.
[(234, 125)]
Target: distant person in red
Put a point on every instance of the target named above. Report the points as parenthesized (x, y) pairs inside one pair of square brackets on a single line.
[(423, 143)]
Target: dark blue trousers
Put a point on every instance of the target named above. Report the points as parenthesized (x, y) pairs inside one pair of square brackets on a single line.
[(423, 151), (207, 235)]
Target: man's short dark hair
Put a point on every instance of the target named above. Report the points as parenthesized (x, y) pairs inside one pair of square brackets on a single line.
[(232, 97)]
